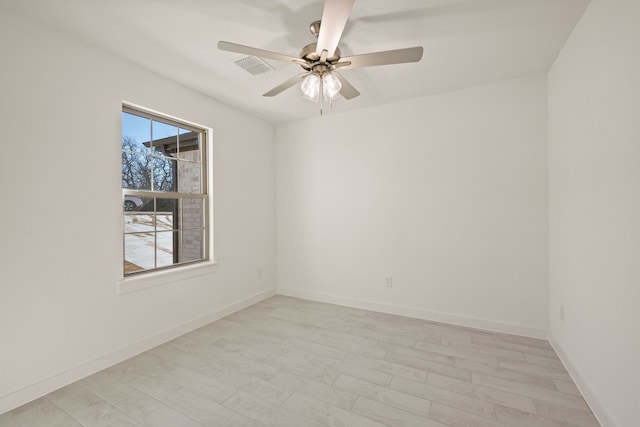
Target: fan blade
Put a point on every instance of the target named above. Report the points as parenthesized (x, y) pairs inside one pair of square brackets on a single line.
[(334, 17), (347, 90), (398, 56), (238, 48), (286, 85)]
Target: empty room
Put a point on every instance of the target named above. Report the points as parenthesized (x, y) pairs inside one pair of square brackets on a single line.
[(320, 213)]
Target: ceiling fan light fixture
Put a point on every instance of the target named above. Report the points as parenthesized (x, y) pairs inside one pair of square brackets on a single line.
[(326, 83), (330, 86), (311, 87)]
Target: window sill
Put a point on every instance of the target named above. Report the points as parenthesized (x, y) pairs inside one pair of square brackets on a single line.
[(153, 279)]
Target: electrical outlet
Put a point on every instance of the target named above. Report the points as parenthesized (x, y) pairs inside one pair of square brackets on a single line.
[(562, 312), (388, 281)]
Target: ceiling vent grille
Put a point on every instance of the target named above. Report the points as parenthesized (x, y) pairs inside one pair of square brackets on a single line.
[(253, 65)]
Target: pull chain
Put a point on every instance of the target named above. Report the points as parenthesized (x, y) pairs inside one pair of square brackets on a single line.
[(321, 94)]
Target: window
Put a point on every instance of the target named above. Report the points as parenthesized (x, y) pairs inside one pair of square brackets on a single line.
[(164, 190)]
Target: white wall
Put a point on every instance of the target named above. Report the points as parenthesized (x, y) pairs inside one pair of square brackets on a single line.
[(594, 182), (447, 194), (61, 221)]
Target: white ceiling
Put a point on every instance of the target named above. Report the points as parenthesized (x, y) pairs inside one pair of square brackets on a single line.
[(466, 43)]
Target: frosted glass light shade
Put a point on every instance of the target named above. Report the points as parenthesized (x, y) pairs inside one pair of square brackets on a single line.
[(330, 86), (311, 87), (314, 83)]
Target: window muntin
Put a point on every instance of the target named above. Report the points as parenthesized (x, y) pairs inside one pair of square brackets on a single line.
[(164, 192)]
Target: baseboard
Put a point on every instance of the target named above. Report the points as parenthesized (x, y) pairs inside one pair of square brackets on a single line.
[(31, 392), (598, 409), (453, 319)]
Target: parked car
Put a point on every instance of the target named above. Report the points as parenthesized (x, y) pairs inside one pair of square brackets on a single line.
[(132, 203)]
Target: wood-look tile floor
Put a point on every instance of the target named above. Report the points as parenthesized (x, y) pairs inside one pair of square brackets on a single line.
[(291, 362)]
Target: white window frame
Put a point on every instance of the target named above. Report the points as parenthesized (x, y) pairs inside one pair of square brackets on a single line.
[(185, 270)]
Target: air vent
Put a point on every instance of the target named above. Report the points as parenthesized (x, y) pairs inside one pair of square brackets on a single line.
[(253, 65)]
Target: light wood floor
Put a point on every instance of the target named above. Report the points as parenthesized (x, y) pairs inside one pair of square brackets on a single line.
[(291, 362)]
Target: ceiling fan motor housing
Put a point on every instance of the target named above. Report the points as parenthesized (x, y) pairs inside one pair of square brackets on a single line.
[(308, 53)]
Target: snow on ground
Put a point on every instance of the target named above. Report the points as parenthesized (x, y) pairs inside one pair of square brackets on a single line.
[(139, 248)]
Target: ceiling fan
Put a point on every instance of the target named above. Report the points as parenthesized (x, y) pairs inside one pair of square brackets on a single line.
[(321, 59)]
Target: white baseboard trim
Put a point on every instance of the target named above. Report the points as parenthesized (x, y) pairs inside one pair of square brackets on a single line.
[(598, 409), (31, 392), (453, 319)]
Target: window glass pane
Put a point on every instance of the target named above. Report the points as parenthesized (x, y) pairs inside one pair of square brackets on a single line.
[(131, 268), (139, 251), (164, 174), (135, 203), (192, 213), (164, 248), (136, 131), (136, 171), (138, 215), (189, 144), (189, 174), (158, 157), (165, 138), (167, 215), (191, 245)]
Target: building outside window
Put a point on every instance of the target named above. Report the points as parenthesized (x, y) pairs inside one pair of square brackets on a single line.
[(164, 189)]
